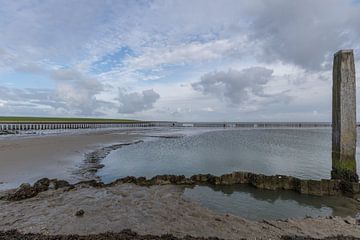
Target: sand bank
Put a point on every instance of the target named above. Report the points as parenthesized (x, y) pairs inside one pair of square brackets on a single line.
[(26, 159), (155, 210)]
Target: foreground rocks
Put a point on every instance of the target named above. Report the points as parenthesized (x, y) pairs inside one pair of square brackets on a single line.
[(25, 190), (324, 187)]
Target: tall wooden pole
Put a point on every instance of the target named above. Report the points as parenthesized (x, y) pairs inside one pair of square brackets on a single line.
[(344, 117)]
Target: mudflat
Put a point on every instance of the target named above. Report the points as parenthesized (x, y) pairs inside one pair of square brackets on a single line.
[(155, 210), (26, 159)]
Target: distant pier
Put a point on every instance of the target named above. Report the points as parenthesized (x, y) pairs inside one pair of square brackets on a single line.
[(256, 124)]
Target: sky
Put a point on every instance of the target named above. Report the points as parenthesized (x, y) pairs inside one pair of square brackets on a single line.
[(185, 60)]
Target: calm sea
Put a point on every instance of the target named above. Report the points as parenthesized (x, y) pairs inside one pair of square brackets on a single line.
[(299, 152)]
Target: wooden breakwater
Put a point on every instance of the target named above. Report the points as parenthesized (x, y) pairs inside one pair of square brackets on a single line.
[(27, 126), (13, 127)]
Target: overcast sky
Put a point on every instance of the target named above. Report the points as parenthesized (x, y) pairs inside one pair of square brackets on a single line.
[(186, 60)]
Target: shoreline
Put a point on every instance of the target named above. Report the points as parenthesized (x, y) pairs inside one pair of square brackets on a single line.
[(155, 210), (92, 162), (153, 206), (26, 159), (323, 187)]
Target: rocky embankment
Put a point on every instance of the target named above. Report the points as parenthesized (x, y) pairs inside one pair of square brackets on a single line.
[(322, 187)]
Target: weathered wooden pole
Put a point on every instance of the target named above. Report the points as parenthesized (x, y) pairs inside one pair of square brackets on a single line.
[(344, 117)]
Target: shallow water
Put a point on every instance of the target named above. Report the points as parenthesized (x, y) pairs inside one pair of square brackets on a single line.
[(249, 202), (303, 153)]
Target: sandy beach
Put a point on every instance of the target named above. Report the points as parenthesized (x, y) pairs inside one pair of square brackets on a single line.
[(27, 159)]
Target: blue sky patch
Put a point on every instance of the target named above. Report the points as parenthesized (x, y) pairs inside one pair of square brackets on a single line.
[(112, 60)]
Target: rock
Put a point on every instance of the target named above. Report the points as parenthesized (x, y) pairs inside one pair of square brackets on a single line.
[(334, 188), (80, 213), (42, 185), (168, 179), (346, 188), (314, 188), (23, 192), (60, 184)]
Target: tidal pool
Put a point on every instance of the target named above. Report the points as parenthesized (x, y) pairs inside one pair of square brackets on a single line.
[(256, 204)]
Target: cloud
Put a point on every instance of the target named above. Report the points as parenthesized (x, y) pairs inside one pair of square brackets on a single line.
[(137, 101), (182, 54), (77, 47), (78, 91), (305, 33), (34, 101), (235, 87), (74, 94)]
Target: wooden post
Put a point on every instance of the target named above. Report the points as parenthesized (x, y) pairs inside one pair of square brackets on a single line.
[(344, 117)]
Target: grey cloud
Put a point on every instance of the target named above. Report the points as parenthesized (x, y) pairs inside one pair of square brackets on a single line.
[(235, 87), (307, 32), (137, 101), (302, 32)]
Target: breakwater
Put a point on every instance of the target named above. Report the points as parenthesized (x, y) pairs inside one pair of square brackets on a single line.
[(16, 127), (26, 126), (324, 187)]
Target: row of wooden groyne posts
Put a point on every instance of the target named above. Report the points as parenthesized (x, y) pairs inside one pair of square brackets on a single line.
[(27, 126), (9, 126)]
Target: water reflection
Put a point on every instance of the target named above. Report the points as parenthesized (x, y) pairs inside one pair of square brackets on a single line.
[(252, 203)]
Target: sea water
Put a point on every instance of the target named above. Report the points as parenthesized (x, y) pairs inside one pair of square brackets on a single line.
[(299, 152)]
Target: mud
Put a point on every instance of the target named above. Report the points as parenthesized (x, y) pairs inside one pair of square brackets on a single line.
[(127, 234), (155, 210), (92, 162)]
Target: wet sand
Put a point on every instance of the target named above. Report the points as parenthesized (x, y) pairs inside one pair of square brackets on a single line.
[(27, 159), (155, 210)]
